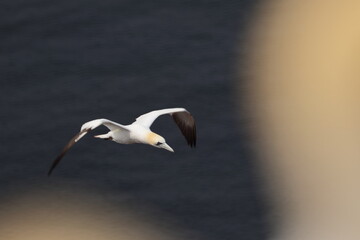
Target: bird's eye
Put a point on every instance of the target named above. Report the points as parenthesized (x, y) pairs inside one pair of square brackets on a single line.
[(158, 143)]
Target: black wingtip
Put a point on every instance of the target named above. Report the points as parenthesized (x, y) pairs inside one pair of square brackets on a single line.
[(186, 123), (51, 169), (56, 161), (191, 141), (66, 148)]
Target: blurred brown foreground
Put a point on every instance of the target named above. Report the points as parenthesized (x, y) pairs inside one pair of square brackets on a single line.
[(305, 85), (52, 216)]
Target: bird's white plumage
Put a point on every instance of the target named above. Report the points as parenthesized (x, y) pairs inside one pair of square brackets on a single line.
[(147, 119), (96, 123), (107, 123), (137, 132)]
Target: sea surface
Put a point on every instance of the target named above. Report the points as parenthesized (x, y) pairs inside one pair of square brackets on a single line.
[(63, 63)]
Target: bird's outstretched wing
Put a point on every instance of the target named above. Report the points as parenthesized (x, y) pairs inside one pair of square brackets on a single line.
[(85, 128), (182, 118)]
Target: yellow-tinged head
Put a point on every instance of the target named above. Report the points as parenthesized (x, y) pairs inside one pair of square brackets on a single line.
[(158, 141)]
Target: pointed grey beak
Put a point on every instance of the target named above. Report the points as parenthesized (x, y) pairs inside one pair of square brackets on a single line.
[(167, 147)]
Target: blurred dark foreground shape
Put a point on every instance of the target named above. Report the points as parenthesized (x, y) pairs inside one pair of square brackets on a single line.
[(306, 99)]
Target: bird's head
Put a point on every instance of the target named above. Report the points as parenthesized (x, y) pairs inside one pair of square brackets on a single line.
[(158, 141)]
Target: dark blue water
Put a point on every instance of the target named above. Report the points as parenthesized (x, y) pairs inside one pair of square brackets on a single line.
[(66, 62)]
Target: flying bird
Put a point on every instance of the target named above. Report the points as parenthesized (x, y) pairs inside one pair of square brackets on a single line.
[(137, 132)]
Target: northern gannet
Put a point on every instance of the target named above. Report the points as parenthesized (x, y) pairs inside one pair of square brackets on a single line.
[(137, 132)]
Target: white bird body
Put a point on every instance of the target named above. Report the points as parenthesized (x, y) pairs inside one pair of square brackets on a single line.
[(126, 137), (127, 134), (137, 132)]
